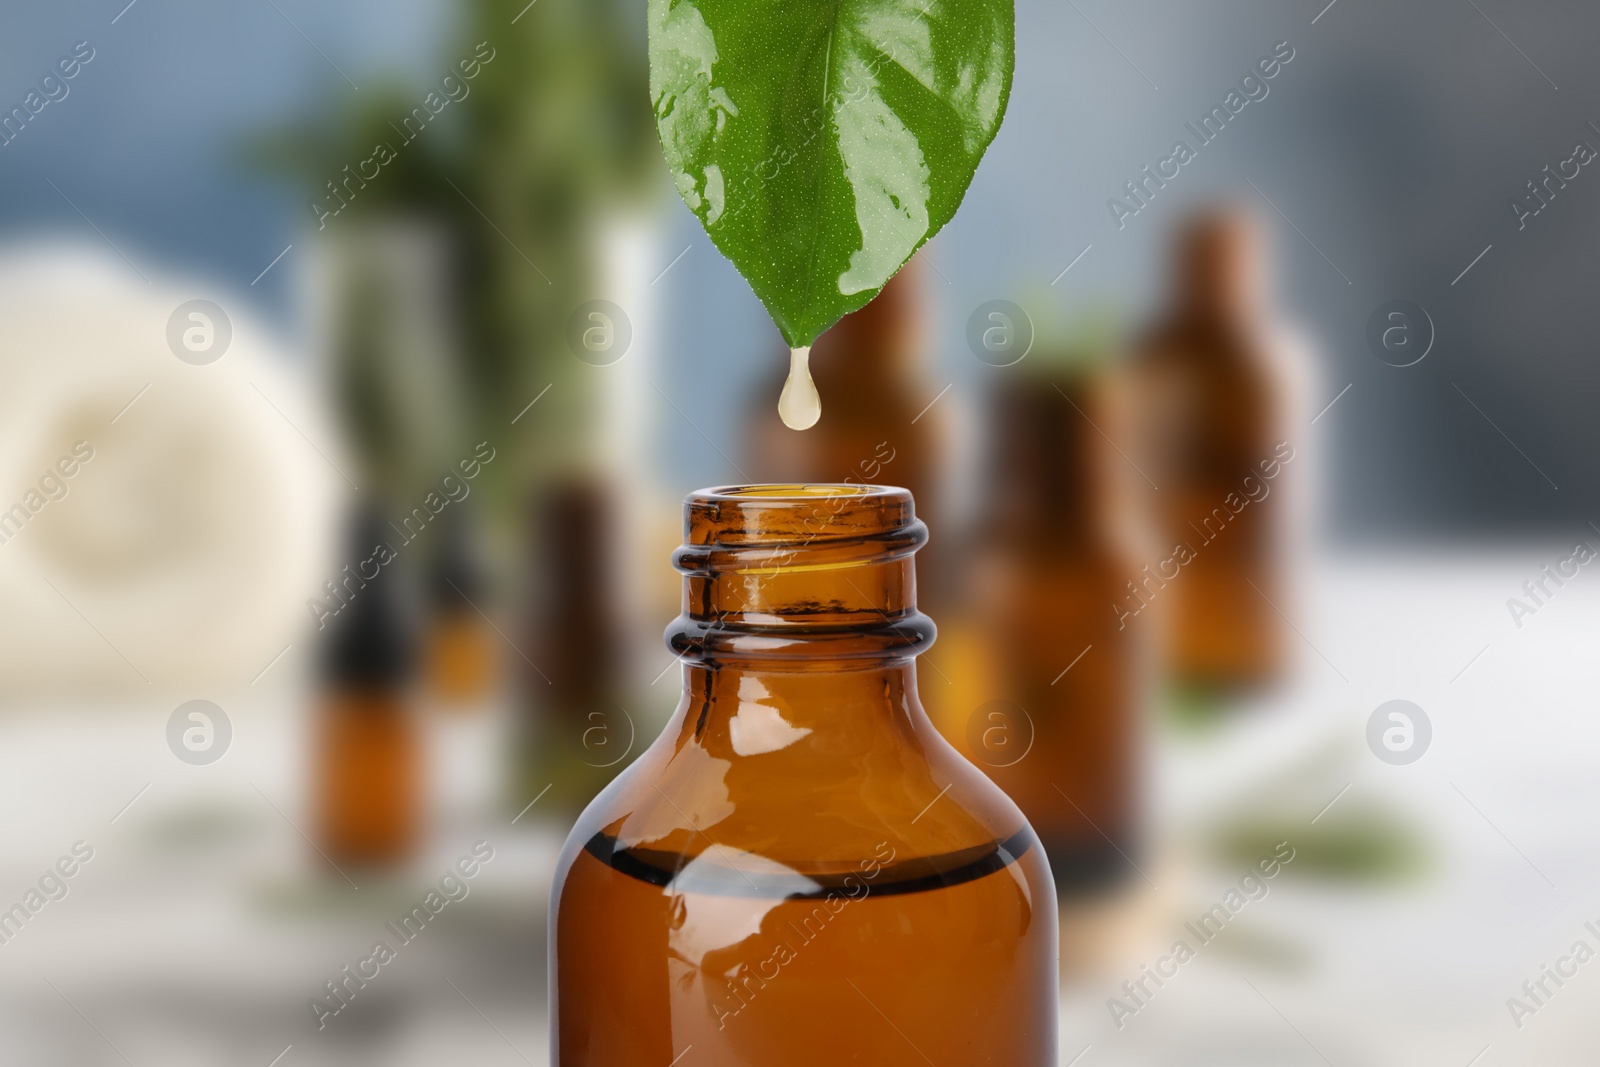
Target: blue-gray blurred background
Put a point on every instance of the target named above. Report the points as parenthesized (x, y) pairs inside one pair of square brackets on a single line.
[(1395, 141)]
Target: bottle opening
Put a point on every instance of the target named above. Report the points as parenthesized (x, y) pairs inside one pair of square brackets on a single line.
[(807, 491), (786, 514)]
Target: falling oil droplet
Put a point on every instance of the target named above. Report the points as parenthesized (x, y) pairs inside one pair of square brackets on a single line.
[(800, 406)]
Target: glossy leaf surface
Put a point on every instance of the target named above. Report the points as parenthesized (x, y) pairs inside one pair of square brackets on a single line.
[(822, 142)]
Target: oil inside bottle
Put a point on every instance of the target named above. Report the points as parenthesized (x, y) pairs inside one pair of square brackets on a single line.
[(800, 406), (748, 954)]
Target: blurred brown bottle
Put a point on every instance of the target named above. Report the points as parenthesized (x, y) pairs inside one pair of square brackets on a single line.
[(459, 656), (367, 760), (869, 371), (576, 731), (1058, 725), (1207, 403)]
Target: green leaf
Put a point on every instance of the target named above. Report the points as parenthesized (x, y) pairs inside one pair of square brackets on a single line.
[(821, 142)]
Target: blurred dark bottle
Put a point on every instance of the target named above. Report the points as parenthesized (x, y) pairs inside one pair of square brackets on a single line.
[(367, 760), (576, 731), (870, 370), (1208, 393), (460, 645), (1058, 725)]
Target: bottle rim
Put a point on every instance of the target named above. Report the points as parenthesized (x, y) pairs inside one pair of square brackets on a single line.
[(795, 512), (795, 492)]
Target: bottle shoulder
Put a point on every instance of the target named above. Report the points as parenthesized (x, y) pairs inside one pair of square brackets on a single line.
[(817, 807)]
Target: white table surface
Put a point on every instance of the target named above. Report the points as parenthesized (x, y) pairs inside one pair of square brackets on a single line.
[(200, 928)]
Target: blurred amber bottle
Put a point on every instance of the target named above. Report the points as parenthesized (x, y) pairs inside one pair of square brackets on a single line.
[(367, 760), (1059, 725), (576, 728), (800, 870), (869, 369), (1207, 399), (460, 645)]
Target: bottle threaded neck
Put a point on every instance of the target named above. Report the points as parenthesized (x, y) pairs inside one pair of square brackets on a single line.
[(784, 574)]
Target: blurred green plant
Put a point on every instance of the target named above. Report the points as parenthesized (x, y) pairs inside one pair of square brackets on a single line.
[(1355, 843), (556, 145), (518, 167), (1192, 709), (1070, 342)]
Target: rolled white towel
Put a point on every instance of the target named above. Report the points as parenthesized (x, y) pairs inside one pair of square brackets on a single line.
[(162, 519)]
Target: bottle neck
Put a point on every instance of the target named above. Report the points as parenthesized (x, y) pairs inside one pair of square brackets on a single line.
[(1220, 273), (737, 711), (800, 579)]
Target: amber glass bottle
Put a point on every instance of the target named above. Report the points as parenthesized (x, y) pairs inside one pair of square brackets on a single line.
[(367, 763), (800, 870), (1207, 398), (1059, 728), (459, 656)]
